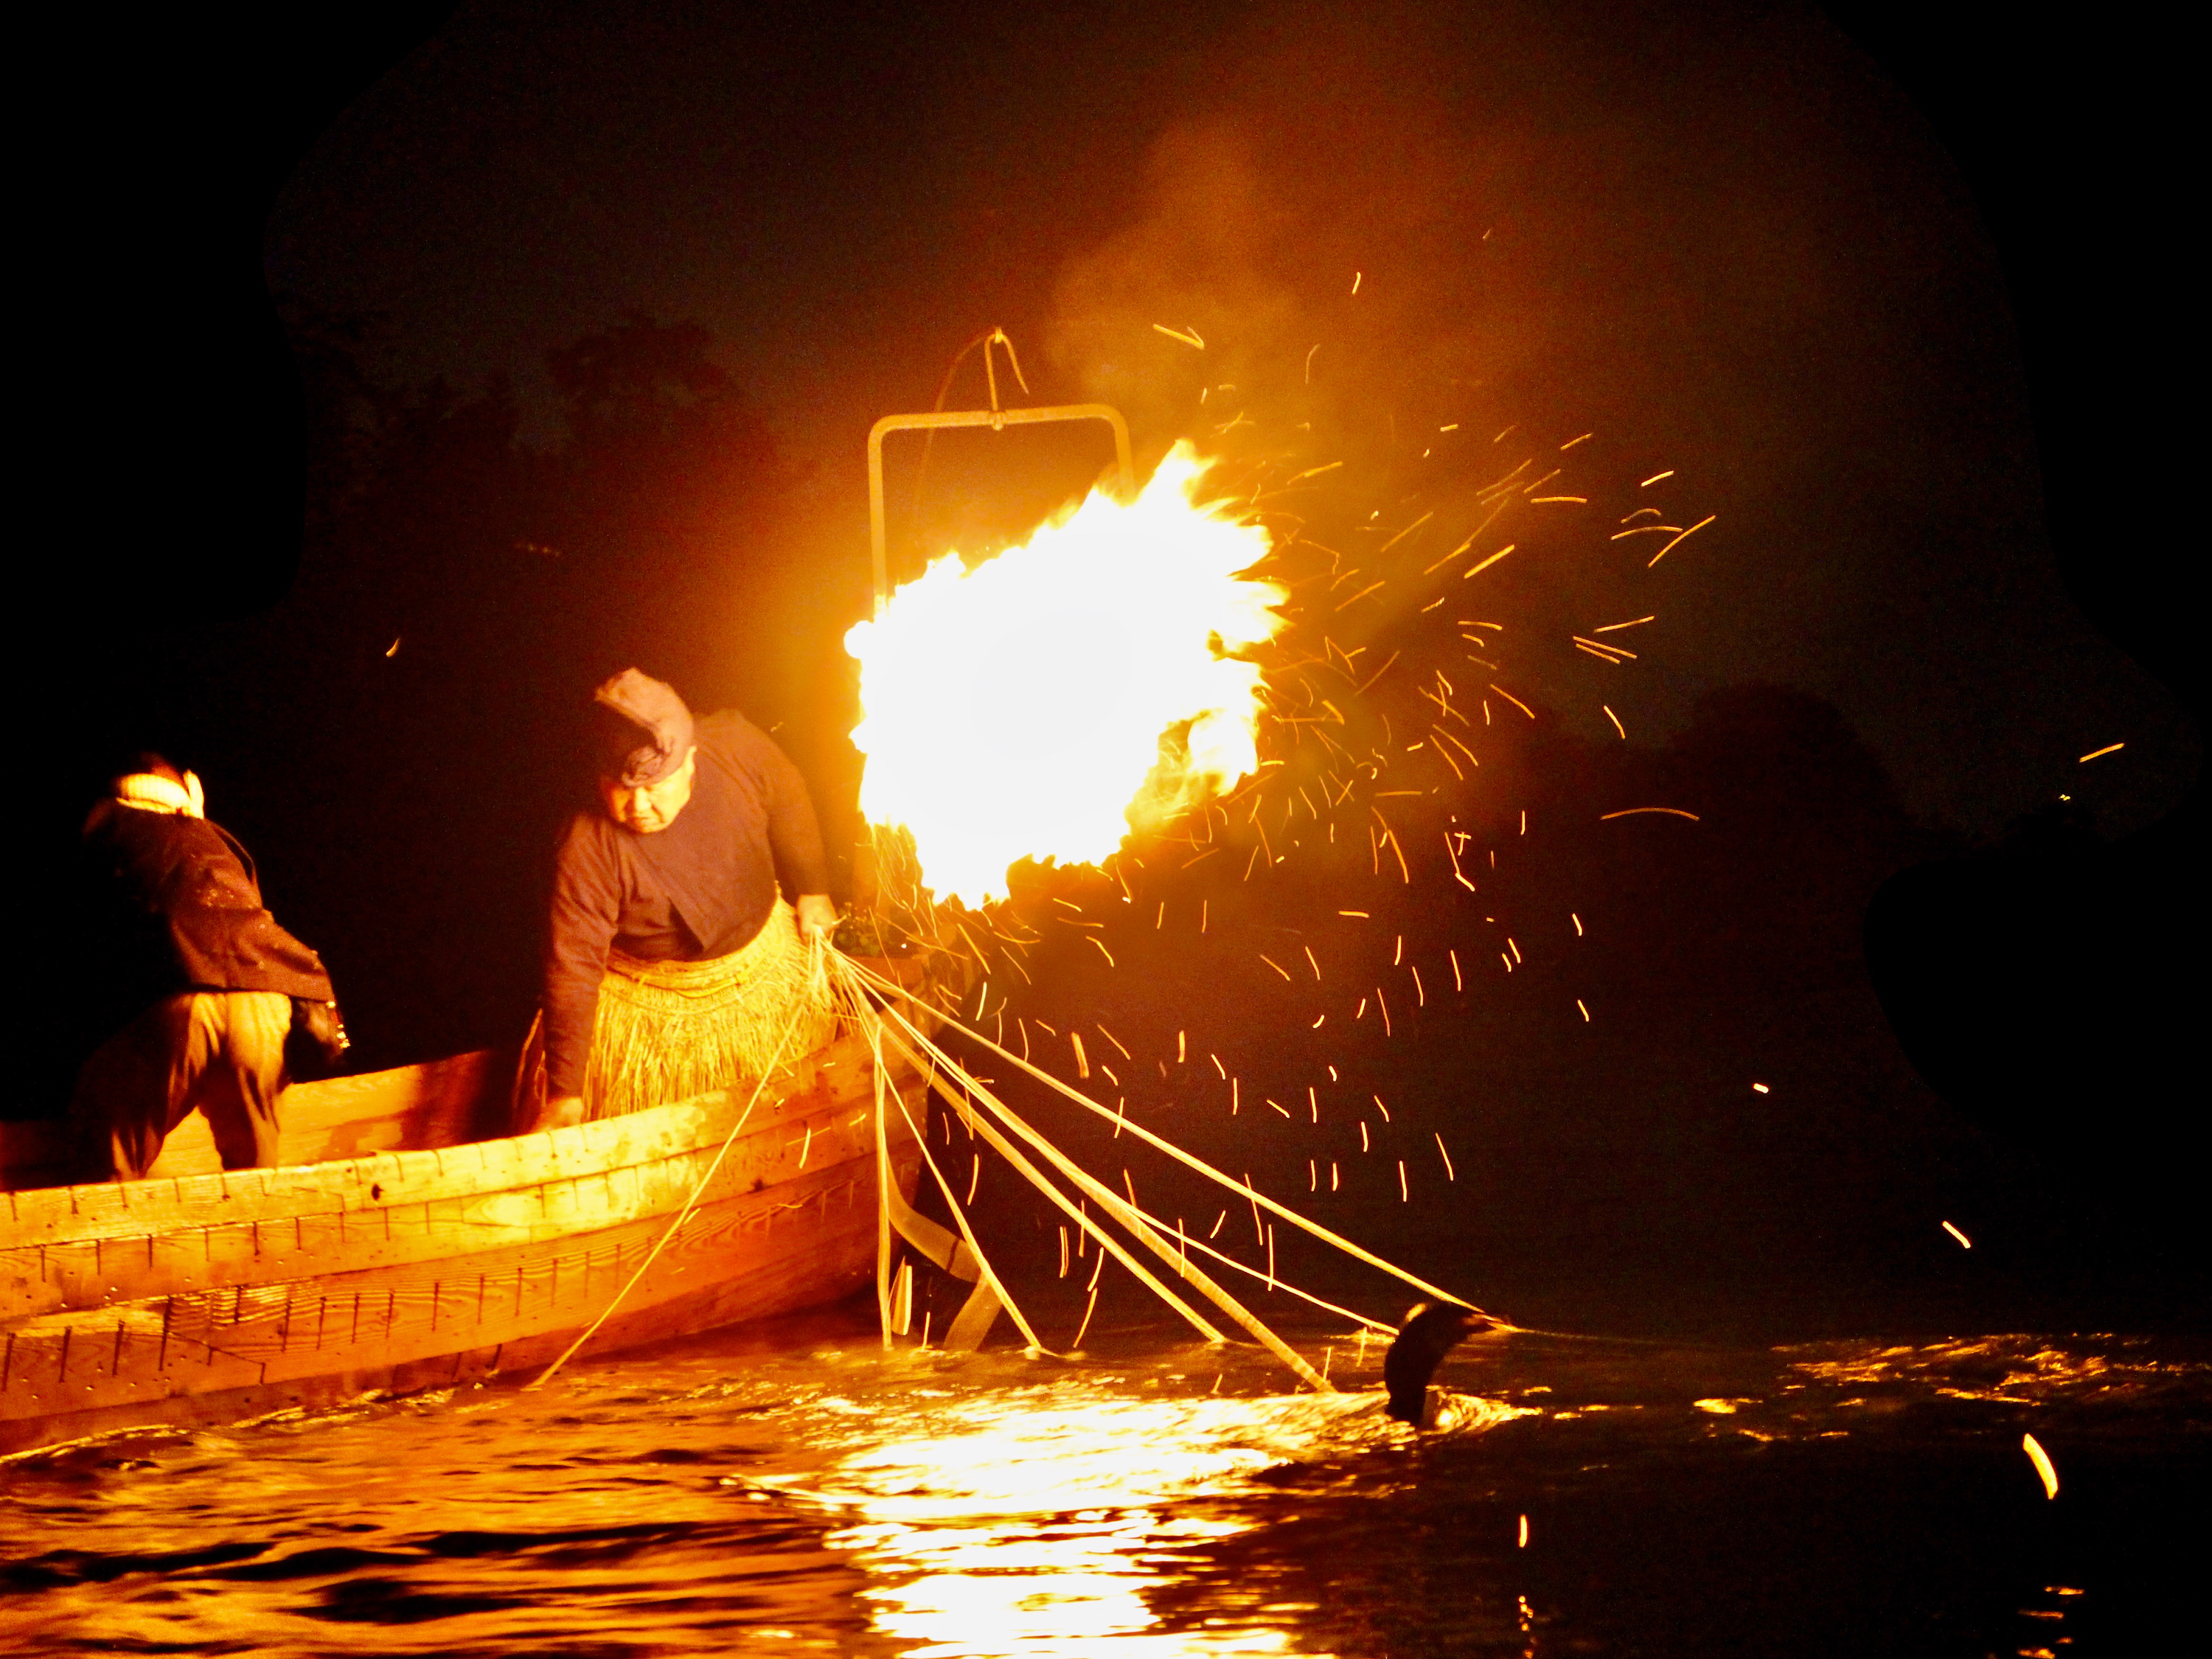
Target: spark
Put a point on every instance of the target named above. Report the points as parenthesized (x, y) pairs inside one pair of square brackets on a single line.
[(1361, 914), (1270, 962), (2108, 749), (1314, 964), (1760, 1089), (1103, 951), (1405, 1194), (1613, 651), (1356, 275), (1617, 726), (1580, 501), (1477, 569), (1181, 1049), (1380, 1107), (1571, 442), (1362, 595), (1310, 357), (1456, 743), (1965, 1243), (1584, 1006), (2041, 1459), (1091, 1306), (1449, 1173), (1414, 969), (1684, 536), (1218, 1066), (1524, 1533), (393, 648), (1406, 532), (1284, 1110), (1631, 811), (1189, 339), (1379, 672), (1458, 983), (1515, 701), (1655, 478), (1082, 1060), (1614, 628), (1218, 1220), (1577, 921), (1363, 1135)]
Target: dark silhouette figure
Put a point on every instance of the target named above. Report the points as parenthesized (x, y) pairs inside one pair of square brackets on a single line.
[(1429, 1333)]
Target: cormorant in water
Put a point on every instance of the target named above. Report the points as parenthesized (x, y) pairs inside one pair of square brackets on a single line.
[(1429, 1333)]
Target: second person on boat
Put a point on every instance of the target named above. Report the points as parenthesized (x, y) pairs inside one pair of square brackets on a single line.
[(686, 914)]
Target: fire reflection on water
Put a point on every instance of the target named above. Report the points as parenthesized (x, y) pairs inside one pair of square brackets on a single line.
[(805, 1493), (1037, 1526)]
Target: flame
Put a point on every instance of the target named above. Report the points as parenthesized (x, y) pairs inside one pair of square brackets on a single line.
[(1045, 703)]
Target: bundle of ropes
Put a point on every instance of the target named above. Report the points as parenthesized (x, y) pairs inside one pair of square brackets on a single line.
[(833, 988)]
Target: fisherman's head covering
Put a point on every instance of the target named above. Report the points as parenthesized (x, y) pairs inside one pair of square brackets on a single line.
[(154, 785), (644, 729)]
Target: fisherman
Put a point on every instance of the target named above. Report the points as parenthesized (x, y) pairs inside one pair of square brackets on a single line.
[(198, 986), (676, 965)]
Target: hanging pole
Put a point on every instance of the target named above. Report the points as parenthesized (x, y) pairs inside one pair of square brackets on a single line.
[(997, 420)]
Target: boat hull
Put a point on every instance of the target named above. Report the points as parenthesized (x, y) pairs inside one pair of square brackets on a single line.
[(209, 1297)]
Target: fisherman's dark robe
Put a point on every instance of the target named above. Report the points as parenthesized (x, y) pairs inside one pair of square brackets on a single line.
[(173, 905), (700, 888)]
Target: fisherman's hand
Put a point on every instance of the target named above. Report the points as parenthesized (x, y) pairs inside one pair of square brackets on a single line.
[(817, 917), (562, 1112)]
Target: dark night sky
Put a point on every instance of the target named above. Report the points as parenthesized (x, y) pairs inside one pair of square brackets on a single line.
[(1718, 235)]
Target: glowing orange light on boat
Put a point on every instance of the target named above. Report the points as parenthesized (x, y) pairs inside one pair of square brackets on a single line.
[(1046, 702)]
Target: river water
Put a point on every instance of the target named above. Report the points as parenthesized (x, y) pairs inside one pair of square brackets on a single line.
[(791, 1489)]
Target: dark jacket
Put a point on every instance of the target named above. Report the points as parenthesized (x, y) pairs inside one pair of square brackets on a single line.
[(699, 889), (175, 906)]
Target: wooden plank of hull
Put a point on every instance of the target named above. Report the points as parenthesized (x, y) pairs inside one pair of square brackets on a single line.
[(799, 1132), (762, 1253)]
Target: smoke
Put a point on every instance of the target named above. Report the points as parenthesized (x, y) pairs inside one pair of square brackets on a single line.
[(1324, 163)]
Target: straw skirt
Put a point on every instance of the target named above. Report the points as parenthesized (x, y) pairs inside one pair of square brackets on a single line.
[(667, 1030)]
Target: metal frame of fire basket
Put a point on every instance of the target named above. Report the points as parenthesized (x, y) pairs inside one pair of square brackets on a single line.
[(997, 420)]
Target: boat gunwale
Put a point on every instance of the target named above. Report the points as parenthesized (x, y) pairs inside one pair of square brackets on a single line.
[(374, 1180)]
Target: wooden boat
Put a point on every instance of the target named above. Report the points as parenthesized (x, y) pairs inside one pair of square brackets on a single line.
[(407, 1242)]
